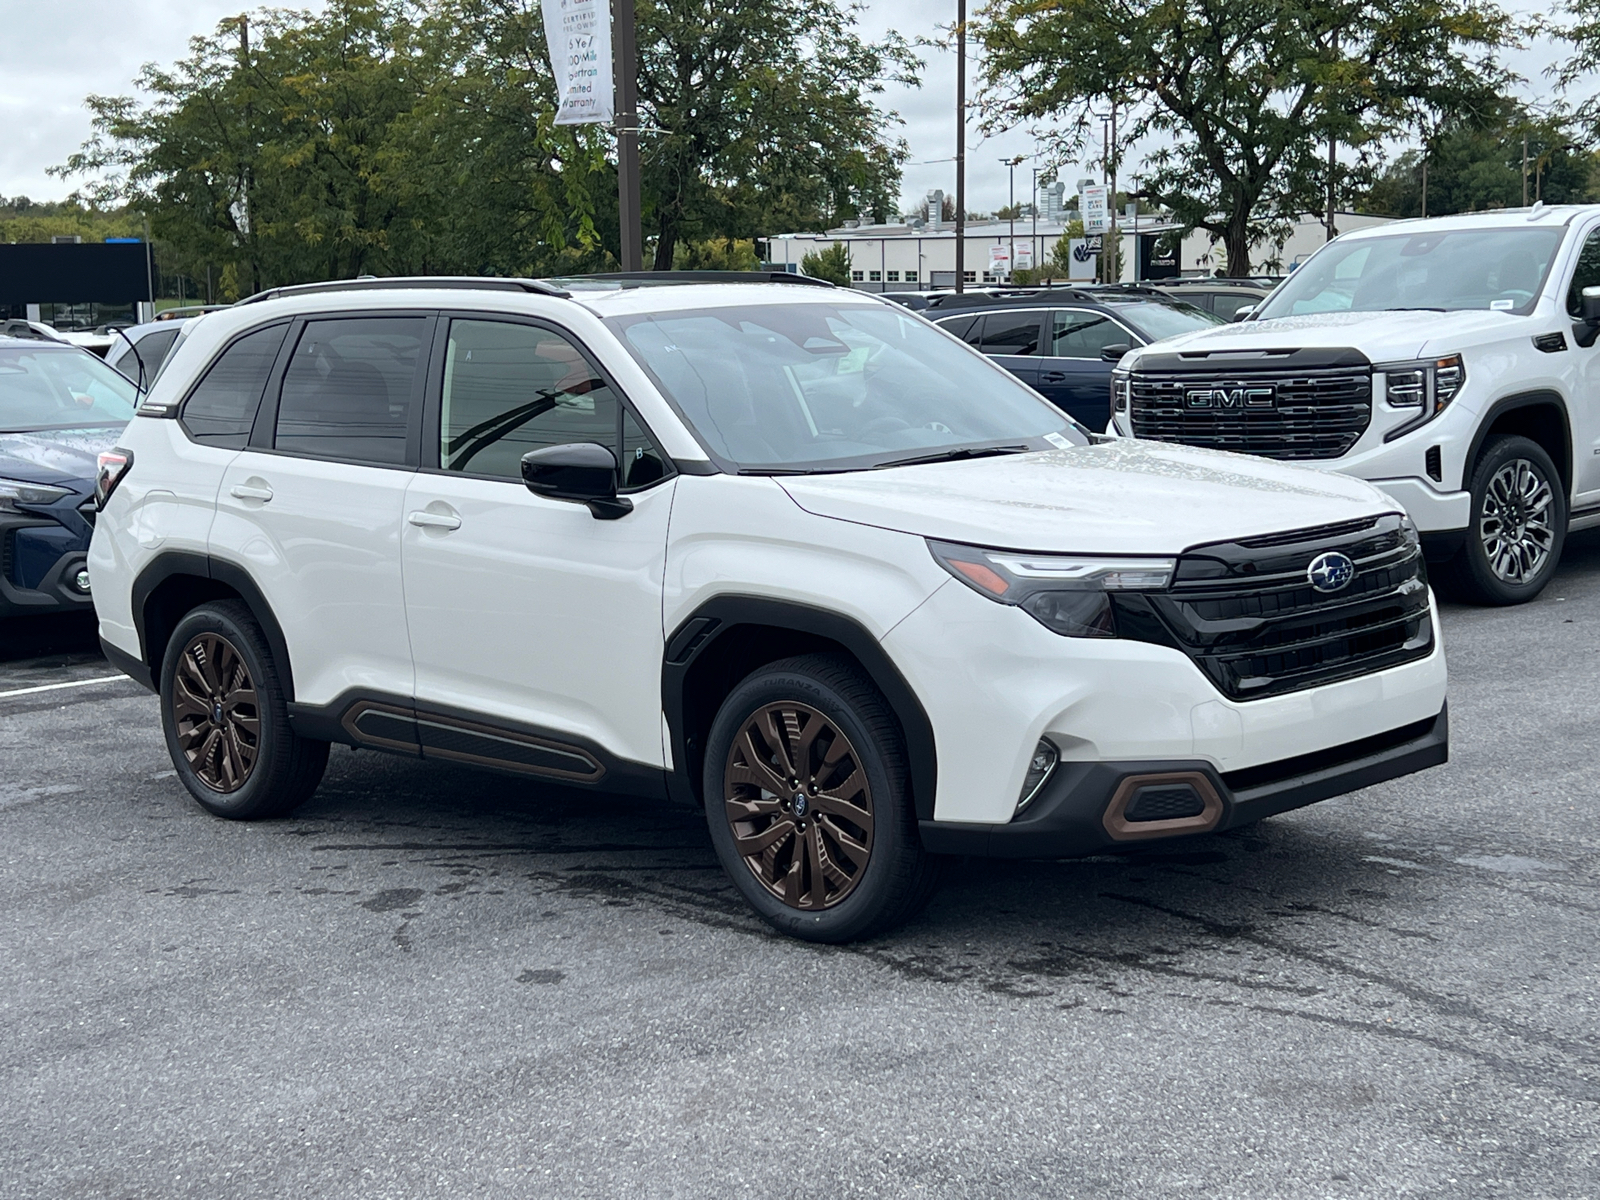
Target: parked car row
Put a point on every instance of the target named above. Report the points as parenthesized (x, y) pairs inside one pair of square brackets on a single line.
[(807, 561)]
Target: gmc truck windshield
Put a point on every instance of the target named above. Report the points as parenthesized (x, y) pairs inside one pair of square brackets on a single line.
[(1500, 269)]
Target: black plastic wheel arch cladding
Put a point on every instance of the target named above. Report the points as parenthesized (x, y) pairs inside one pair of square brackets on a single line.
[(702, 640)]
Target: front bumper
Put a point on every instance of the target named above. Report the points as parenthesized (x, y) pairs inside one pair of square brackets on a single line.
[(1079, 811)]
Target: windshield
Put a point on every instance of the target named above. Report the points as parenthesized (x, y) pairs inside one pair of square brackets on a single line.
[(834, 387), (51, 387), (1443, 269), (1157, 321)]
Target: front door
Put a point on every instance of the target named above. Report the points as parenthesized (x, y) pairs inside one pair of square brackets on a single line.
[(530, 612), (311, 508), (1584, 409), (1072, 375)]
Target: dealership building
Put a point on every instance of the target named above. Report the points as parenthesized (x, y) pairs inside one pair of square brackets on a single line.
[(920, 256), (76, 285)]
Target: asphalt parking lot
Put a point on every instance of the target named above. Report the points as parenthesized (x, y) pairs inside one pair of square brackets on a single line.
[(437, 983)]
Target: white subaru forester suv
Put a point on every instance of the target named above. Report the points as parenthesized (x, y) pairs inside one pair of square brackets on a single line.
[(1450, 361), (786, 552)]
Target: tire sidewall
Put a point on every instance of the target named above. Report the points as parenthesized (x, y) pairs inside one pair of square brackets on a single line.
[(248, 799), (1481, 577), (886, 774)]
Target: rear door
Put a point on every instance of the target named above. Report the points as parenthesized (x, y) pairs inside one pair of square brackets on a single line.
[(312, 507), (1013, 339), (1072, 375)]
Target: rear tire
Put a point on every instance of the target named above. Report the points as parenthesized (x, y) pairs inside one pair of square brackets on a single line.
[(227, 720), (809, 804), (1519, 525)]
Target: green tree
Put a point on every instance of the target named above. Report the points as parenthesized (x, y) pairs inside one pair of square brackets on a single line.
[(1242, 97), (832, 264), (25, 220), (716, 254), (762, 115), (1476, 165)]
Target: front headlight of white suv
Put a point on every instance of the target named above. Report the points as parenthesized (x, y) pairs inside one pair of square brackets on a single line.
[(1069, 594), (1427, 385)]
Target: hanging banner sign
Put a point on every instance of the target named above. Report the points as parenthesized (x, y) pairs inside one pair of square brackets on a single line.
[(579, 36), (1094, 207), (1024, 258)]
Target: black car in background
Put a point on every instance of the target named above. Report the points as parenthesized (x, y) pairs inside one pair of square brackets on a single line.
[(60, 406), (1064, 342), (1227, 298)]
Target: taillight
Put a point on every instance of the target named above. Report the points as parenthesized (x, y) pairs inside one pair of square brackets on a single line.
[(109, 470)]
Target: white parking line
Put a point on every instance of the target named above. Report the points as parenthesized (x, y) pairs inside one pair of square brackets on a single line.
[(51, 687)]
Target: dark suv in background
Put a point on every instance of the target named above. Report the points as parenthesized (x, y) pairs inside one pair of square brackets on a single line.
[(1064, 342)]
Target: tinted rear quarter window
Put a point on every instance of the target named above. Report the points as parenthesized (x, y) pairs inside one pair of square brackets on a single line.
[(221, 409), (1008, 333), (347, 391)]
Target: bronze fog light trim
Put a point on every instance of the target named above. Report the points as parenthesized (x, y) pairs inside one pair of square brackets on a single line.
[(1124, 830)]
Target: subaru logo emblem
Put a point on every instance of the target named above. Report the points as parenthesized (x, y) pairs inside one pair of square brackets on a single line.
[(800, 804), (1331, 571)]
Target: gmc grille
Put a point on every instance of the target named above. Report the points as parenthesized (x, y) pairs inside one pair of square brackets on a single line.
[(1276, 414), (1247, 615)]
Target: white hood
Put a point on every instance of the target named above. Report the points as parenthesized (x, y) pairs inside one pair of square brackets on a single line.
[(1119, 497), (1386, 336)]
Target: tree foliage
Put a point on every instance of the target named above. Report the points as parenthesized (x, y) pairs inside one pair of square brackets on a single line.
[(1476, 165), (25, 220), (1241, 97), (417, 136), (832, 264)]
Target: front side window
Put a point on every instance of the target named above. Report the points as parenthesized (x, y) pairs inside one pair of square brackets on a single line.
[(348, 388), (833, 386), (221, 410), (1444, 269), (1586, 274), (511, 388), (1078, 334), (44, 386)]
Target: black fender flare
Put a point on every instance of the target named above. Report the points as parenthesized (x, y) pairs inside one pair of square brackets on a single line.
[(1538, 398), (718, 617), (170, 563)]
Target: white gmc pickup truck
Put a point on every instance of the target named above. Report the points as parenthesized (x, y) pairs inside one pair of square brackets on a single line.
[(1450, 361)]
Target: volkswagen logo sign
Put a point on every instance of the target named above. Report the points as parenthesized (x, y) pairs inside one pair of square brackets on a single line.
[(1330, 572)]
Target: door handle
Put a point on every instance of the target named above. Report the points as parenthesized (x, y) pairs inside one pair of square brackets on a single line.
[(430, 520), (246, 491), (1054, 377)]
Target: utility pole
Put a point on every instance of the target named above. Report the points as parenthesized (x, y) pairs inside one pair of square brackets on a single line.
[(1011, 260), (961, 145), (1035, 255), (1112, 256), (1424, 182), (246, 173), (626, 52), (1524, 168)]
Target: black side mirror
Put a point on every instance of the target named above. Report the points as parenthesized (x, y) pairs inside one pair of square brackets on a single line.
[(1114, 352), (1591, 305), (585, 472)]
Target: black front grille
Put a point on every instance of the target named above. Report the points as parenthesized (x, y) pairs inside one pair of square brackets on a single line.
[(8, 554), (1303, 414), (1165, 804), (1247, 614)]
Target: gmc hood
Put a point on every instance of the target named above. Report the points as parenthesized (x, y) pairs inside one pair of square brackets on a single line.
[(58, 456), (1387, 336), (1119, 497)]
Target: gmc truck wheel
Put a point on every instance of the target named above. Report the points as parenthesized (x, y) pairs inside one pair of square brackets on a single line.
[(1519, 524)]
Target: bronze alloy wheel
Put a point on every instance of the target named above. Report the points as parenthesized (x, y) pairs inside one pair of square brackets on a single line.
[(215, 714), (798, 801)]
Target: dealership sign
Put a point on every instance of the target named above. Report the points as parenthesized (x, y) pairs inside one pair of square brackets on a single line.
[(578, 33), (1094, 205)]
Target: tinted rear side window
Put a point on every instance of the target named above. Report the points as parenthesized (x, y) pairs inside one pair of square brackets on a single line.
[(1004, 333), (957, 326), (348, 388), (221, 410)]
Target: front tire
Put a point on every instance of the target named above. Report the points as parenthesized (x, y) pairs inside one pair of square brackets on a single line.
[(809, 803), (1519, 524), (227, 721)]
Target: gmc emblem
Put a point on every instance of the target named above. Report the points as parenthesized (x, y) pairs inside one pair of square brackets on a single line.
[(1237, 396)]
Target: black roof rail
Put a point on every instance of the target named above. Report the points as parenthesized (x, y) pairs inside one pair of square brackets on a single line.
[(658, 278), (370, 283), (1006, 296)]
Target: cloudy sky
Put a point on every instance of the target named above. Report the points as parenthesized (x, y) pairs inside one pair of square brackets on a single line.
[(52, 55)]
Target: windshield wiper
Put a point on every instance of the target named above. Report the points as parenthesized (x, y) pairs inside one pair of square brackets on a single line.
[(958, 452), (1416, 308)]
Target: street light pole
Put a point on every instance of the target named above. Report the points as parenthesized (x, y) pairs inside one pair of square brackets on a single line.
[(961, 145), (627, 126)]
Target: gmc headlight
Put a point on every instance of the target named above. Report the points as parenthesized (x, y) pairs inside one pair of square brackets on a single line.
[(1121, 391), (15, 494), (1068, 594), (1427, 384)]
